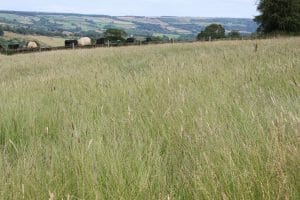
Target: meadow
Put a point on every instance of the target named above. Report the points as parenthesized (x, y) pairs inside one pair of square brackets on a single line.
[(43, 40), (214, 120)]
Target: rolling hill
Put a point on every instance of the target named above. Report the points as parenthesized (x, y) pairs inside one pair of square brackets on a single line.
[(63, 24)]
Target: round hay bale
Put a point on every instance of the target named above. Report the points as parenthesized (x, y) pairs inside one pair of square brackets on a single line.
[(84, 41), (32, 45)]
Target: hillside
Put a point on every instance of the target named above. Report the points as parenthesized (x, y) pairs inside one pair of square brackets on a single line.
[(207, 120), (58, 23)]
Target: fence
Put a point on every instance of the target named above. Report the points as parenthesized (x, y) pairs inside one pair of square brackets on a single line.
[(43, 49)]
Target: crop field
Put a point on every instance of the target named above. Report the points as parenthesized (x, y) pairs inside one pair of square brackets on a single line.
[(214, 120)]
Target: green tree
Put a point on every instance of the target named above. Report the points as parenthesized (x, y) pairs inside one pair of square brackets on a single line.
[(234, 34), (278, 16), (1, 31), (115, 34), (213, 31)]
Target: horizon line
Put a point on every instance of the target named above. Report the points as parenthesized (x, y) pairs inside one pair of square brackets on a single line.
[(86, 14)]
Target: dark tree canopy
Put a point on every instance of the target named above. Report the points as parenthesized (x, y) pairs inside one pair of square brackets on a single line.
[(1, 31), (213, 31), (234, 34), (278, 16), (115, 34)]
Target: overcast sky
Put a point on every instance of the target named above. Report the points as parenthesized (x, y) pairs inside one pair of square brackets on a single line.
[(200, 8)]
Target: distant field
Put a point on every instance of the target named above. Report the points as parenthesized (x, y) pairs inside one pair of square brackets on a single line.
[(167, 35), (186, 121), (133, 25), (44, 40)]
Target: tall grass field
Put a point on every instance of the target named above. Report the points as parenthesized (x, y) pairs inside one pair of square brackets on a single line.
[(215, 120)]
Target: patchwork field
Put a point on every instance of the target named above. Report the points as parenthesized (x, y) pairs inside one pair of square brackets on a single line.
[(186, 121), (55, 23)]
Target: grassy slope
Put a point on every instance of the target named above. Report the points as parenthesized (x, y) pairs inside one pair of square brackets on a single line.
[(44, 40), (193, 121)]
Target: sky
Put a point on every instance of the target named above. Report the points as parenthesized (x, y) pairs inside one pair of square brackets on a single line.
[(197, 8)]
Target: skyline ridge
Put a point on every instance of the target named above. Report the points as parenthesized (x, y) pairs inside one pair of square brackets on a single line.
[(212, 8), (91, 14)]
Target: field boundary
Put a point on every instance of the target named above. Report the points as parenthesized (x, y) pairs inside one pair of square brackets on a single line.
[(44, 49)]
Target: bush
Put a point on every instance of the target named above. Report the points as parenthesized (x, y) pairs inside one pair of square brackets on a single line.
[(234, 34), (1, 31)]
